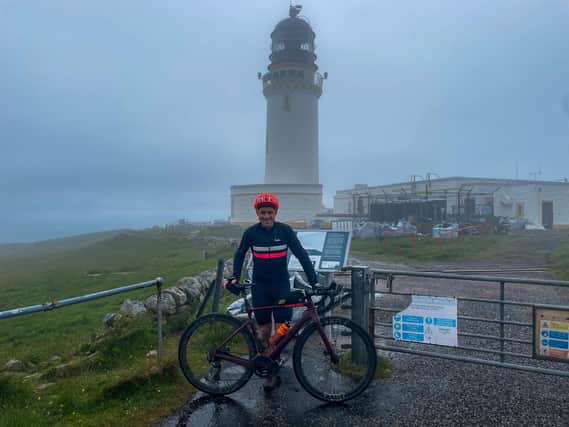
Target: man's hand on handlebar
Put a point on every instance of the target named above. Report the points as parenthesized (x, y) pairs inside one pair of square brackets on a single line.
[(229, 281), (232, 285)]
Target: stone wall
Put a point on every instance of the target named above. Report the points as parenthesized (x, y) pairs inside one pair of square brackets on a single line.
[(175, 299)]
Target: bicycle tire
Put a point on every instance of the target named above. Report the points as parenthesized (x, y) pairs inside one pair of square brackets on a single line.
[(211, 375), (328, 381)]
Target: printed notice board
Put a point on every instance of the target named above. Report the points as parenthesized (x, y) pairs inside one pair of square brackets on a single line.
[(328, 250), (428, 320), (551, 334)]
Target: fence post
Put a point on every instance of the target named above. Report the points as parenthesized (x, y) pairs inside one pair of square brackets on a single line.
[(159, 315), (502, 296), (371, 311), (217, 289), (360, 308), (326, 279)]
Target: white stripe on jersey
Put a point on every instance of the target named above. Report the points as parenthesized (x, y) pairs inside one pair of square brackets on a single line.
[(269, 248)]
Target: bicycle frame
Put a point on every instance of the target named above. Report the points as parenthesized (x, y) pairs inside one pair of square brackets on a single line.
[(309, 315)]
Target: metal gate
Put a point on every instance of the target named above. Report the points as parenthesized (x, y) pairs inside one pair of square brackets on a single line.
[(509, 322)]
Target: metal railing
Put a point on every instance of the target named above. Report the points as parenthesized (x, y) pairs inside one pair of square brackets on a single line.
[(511, 344), (97, 295)]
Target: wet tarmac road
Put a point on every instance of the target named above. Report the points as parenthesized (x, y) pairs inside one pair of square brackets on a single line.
[(422, 392), (287, 405)]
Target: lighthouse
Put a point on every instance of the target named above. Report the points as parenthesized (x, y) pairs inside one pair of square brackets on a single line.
[(292, 87)]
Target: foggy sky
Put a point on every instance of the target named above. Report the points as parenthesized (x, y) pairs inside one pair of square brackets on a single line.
[(134, 113)]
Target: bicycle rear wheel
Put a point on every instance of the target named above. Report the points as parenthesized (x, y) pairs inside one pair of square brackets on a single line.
[(199, 349), (343, 379)]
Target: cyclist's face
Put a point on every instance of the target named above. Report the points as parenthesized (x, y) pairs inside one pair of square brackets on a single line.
[(266, 217)]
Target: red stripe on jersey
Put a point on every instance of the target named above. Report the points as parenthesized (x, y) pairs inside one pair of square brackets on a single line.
[(269, 254)]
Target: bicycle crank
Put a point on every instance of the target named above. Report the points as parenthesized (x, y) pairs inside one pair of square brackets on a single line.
[(265, 366)]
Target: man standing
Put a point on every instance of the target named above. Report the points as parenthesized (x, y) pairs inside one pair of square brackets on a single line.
[(269, 242)]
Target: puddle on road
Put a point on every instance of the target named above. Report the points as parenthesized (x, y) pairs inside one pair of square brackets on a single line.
[(209, 411)]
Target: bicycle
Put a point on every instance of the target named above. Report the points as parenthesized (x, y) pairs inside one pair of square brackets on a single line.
[(334, 359), (323, 304)]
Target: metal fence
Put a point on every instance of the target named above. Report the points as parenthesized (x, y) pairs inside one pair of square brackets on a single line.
[(97, 295), (496, 323)]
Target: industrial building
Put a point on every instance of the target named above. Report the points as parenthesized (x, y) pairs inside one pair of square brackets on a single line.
[(458, 199)]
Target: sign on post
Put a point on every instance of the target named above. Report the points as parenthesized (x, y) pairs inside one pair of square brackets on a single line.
[(428, 320), (328, 250), (551, 334)]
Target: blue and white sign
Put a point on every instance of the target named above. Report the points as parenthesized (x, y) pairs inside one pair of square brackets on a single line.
[(428, 320), (328, 250)]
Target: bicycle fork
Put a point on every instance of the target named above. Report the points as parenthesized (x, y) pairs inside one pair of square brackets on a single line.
[(331, 351)]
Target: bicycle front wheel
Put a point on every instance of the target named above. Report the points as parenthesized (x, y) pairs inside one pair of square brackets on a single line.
[(335, 380), (202, 344)]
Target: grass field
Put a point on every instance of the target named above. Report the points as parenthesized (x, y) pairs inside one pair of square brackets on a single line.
[(560, 265), (120, 382), (531, 249)]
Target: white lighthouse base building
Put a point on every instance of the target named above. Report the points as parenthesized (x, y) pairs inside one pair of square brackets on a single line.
[(299, 203)]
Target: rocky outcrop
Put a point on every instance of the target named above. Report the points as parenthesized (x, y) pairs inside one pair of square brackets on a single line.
[(14, 365), (110, 319)]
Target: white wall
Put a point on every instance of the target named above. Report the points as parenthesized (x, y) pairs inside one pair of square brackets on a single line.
[(292, 137), (298, 202), (532, 196)]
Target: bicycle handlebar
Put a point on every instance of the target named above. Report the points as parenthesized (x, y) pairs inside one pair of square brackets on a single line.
[(332, 289)]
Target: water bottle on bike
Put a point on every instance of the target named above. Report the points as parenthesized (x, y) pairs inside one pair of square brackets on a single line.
[(279, 333)]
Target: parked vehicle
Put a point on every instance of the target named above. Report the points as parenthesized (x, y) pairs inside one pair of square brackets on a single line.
[(468, 229), (445, 231)]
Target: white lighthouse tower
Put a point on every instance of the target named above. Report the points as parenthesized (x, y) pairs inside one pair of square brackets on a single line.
[(292, 87)]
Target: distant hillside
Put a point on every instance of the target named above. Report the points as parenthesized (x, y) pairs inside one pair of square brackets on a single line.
[(72, 243), (56, 245)]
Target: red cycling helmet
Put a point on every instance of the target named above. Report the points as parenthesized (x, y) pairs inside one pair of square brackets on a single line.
[(264, 200)]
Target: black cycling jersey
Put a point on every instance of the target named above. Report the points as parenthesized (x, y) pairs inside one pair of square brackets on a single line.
[(269, 248)]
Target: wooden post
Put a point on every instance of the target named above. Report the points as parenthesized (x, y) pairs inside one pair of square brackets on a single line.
[(360, 308), (217, 289)]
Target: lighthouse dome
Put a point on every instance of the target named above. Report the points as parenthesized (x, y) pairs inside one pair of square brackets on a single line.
[(293, 41)]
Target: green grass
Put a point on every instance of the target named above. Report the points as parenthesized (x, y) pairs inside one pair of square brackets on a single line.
[(538, 249), (427, 249), (119, 384), (560, 260), (222, 230), (384, 367)]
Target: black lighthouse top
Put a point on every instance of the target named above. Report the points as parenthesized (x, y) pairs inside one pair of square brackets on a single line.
[(293, 41)]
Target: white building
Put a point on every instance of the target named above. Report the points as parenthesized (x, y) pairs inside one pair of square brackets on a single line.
[(541, 202), (292, 87)]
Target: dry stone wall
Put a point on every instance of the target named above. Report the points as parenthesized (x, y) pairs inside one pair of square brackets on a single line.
[(174, 299)]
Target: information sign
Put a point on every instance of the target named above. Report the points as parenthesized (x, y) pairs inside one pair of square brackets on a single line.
[(551, 334), (328, 250), (428, 320)]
